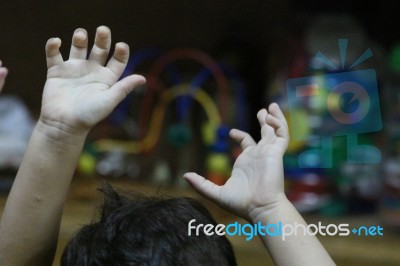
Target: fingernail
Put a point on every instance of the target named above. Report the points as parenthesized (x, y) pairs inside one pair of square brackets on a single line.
[(80, 31), (102, 27)]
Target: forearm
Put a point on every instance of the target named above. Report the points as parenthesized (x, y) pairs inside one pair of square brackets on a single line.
[(31, 219), (296, 249)]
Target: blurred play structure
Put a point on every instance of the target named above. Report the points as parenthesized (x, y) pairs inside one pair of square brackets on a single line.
[(328, 87), (178, 122)]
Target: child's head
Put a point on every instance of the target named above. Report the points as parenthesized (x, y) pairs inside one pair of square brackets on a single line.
[(139, 230)]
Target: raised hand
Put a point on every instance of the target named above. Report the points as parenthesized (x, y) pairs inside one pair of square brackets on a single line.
[(257, 175), (80, 92), (3, 75)]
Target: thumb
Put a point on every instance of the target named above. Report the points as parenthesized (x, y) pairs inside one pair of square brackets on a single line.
[(204, 187), (122, 88)]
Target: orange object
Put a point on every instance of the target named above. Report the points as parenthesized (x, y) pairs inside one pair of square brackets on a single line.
[(217, 179)]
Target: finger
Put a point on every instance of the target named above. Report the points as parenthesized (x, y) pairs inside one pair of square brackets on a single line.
[(277, 120), (3, 75), (79, 45), (276, 111), (3, 70), (280, 129), (203, 186), (122, 88), (267, 132), (53, 55), (261, 116), (102, 44), (243, 138), (119, 60)]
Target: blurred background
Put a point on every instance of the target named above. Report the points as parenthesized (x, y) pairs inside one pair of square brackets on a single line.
[(210, 66)]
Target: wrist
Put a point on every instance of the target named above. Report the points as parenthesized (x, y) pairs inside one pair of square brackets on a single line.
[(60, 133), (271, 211)]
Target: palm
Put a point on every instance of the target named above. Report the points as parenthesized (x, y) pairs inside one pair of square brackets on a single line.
[(76, 89), (256, 177)]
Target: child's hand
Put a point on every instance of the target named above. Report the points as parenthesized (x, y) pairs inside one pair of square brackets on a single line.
[(80, 92), (257, 177), (3, 75)]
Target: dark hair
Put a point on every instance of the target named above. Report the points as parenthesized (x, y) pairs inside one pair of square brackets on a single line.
[(140, 230)]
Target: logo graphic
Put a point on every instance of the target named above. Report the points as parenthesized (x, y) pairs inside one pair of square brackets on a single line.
[(281, 230), (342, 103)]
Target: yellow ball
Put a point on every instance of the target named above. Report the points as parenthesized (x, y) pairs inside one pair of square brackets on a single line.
[(87, 164), (219, 163)]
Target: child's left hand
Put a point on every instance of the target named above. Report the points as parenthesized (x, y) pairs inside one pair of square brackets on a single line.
[(256, 183)]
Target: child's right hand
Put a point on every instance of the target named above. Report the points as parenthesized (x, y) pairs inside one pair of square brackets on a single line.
[(256, 184), (80, 92), (3, 75)]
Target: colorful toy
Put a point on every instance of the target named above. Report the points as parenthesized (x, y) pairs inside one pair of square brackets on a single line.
[(166, 109)]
